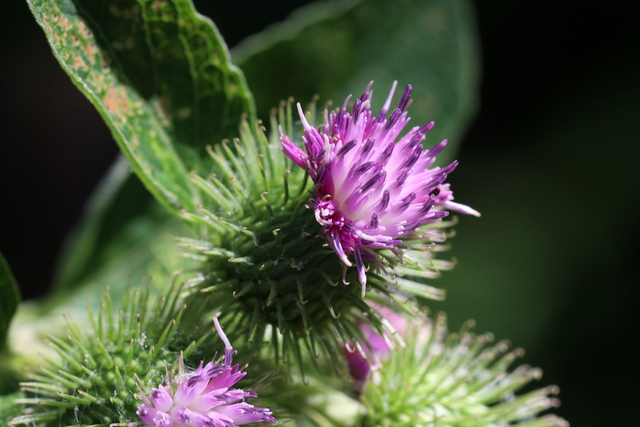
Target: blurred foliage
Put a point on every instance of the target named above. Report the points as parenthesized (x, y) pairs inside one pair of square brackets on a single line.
[(8, 409), (9, 299), (333, 49), (119, 221)]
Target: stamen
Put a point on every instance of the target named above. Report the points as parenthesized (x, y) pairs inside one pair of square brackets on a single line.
[(393, 119), (367, 92), (408, 164), (337, 246), (385, 201), (380, 175), (387, 103), (407, 201), (449, 168), (402, 178), (356, 110), (364, 168), (346, 148), (387, 152), (433, 152), (415, 140), (362, 276), (368, 145), (344, 106), (404, 101), (428, 205), (303, 119), (426, 128), (228, 350), (374, 220)]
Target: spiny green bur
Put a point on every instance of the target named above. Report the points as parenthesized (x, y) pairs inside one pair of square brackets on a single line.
[(93, 382), (263, 256), (455, 380)]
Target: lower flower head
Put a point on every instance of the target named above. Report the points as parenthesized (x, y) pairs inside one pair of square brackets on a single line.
[(457, 379), (374, 190), (204, 398), (375, 348)]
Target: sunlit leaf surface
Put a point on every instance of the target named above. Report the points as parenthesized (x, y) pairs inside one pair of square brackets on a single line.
[(158, 74)]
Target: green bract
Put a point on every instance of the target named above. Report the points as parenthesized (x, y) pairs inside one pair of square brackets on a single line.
[(93, 379), (455, 380), (262, 256)]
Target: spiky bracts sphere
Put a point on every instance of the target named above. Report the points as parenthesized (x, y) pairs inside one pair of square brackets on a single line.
[(376, 195), (204, 398), (264, 246), (94, 381), (263, 257), (455, 380)]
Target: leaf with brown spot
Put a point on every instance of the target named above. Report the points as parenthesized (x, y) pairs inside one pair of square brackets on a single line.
[(160, 76)]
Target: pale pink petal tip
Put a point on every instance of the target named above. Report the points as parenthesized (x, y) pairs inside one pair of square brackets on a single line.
[(205, 398), (459, 207)]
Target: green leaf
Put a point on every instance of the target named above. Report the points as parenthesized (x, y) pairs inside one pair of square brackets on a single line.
[(118, 222), (159, 75), (335, 48), (150, 259), (9, 299)]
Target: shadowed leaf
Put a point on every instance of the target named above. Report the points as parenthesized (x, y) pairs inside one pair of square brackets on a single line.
[(9, 299), (119, 221), (335, 48)]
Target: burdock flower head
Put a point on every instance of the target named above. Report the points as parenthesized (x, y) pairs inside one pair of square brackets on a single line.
[(265, 251), (204, 398), (374, 191), (455, 380), (375, 348), (109, 368)]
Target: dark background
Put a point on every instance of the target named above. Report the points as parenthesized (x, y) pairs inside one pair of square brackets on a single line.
[(551, 161)]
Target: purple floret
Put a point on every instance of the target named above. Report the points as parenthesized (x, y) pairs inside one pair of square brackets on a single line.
[(204, 398), (373, 188)]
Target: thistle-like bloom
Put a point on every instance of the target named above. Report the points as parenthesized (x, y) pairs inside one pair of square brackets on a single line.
[(373, 190), (455, 380), (204, 398), (375, 348)]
